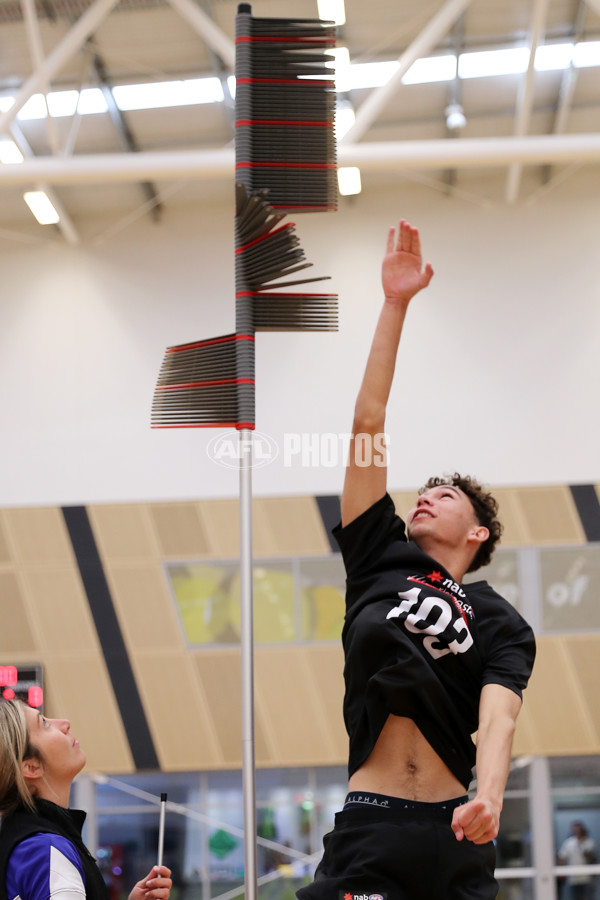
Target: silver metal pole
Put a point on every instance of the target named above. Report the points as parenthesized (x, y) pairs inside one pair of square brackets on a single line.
[(247, 643), (540, 806), (161, 829)]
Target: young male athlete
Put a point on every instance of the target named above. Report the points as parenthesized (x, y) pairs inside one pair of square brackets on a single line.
[(428, 662)]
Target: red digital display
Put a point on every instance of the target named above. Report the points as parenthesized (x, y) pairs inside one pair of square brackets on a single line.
[(23, 682), (8, 675), (35, 696)]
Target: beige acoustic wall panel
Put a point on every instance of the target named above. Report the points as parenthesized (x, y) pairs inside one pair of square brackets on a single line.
[(163, 673), (124, 532), (80, 691), (192, 698), (61, 612), (18, 638), (178, 711), (221, 520), (38, 535), (51, 624), (559, 716), (524, 742), (291, 698), (288, 526), (146, 614), (516, 528), (583, 652), (180, 531), (219, 674), (6, 554), (326, 662), (550, 516)]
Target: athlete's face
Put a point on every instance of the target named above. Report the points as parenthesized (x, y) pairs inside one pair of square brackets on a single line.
[(443, 514), (62, 757)]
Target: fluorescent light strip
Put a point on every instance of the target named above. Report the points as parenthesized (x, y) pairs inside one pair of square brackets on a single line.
[(332, 11), (41, 207), (554, 56), (64, 103), (341, 64), (349, 182), (152, 95), (162, 94), (587, 53), (485, 63), (357, 76), (10, 153), (371, 75), (344, 120), (430, 69)]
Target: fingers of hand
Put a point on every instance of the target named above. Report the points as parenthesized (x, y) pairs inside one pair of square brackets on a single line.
[(160, 879), (390, 239), (476, 821), (159, 893), (427, 275), (408, 239), (159, 888), (404, 237), (458, 832)]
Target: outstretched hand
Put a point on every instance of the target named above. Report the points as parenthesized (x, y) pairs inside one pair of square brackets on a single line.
[(402, 272), (155, 886)]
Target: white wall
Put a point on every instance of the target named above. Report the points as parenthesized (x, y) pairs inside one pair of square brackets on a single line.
[(498, 372)]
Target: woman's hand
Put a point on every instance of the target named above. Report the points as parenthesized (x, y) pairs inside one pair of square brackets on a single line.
[(401, 272), (155, 886)]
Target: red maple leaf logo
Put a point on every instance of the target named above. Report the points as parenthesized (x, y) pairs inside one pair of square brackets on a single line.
[(436, 576), (347, 896)]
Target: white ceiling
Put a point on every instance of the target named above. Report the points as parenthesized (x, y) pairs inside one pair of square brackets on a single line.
[(152, 40)]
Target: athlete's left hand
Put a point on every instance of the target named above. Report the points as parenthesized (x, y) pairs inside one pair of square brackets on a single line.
[(477, 821), (155, 886)]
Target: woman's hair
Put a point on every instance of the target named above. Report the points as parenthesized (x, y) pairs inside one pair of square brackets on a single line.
[(14, 748), (485, 507)]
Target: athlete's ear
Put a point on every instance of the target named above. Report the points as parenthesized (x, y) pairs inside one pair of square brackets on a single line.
[(479, 533)]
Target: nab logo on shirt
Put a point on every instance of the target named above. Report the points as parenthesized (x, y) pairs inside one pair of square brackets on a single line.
[(348, 895)]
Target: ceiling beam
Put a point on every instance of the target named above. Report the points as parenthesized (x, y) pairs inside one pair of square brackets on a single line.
[(65, 223), (34, 39), (60, 56), (177, 165), (454, 93), (525, 98), (222, 71), (378, 100), (568, 83), (126, 135), (204, 26), (36, 53)]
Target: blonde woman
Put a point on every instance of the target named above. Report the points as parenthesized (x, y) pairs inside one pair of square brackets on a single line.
[(42, 854)]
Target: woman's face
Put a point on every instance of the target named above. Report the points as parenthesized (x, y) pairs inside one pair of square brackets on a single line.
[(62, 757)]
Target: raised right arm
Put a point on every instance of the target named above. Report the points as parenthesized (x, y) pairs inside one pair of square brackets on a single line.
[(402, 277)]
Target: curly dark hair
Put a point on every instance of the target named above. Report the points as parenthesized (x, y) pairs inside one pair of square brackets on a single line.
[(485, 507)]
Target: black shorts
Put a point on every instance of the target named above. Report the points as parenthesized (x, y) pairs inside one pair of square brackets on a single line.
[(391, 849)]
